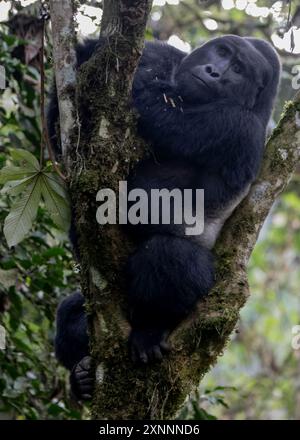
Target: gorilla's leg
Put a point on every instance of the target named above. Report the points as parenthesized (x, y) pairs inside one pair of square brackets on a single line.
[(167, 276), (72, 345)]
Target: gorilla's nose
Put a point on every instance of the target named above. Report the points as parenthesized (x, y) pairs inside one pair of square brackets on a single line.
[(211, 71)]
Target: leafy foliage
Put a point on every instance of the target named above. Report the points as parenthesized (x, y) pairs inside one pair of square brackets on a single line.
[(34, 274), (260, 360), (32, 182), (33, 277)]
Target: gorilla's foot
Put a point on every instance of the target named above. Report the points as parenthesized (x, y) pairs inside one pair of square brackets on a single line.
[(148, 346), (82, 379)]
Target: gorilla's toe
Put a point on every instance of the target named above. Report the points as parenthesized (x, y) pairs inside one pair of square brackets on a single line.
[(147, 346)]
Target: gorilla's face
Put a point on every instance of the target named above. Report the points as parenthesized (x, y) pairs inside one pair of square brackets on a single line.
[(227, 68)]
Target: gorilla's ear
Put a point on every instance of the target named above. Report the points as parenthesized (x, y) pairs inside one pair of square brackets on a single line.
[(266, 97)]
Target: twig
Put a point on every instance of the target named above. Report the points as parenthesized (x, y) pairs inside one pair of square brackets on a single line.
[(45, 135), (63, 32), (42, 98)]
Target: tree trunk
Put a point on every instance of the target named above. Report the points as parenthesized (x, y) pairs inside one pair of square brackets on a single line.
[(105, 150)]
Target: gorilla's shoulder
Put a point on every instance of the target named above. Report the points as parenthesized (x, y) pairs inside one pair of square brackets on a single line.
[(85, 50), (161, 53), (160, 48), (158, 62), (155, 53)]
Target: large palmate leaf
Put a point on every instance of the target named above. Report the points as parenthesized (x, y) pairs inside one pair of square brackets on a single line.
[(56, 200), (29, 182), (10, 172), (26, 158), (29, 166), (19, 221), (57, 185), (15, 187)]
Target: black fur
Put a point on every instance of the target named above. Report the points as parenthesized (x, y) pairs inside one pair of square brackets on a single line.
[(205, 115), (71, 342)]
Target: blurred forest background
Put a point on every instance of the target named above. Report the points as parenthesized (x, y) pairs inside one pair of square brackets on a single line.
[(258, 377)]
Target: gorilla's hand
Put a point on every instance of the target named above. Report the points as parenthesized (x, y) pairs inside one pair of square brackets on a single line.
[(82, 379)]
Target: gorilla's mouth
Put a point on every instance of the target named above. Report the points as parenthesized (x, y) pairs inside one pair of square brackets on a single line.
[(198, 78)]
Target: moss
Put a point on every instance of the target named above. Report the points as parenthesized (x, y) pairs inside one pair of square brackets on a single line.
[(289, 108)]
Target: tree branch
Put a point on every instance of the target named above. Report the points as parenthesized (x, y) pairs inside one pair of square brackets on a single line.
[(108, 148), (63, 33)]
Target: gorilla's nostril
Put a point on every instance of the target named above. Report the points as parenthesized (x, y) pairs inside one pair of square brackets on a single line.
[(210, 70)]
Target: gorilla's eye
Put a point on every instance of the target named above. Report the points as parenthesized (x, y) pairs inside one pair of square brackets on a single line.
[(222, 51), (237, 68)]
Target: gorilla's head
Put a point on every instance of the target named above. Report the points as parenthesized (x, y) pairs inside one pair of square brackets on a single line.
[(240, 70)]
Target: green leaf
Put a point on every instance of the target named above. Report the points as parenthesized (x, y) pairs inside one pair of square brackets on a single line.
[(8, 277), (58, 206), (15, 187), (26, 158), (57, 184), (200, 413), (9, 173), (19, 221)]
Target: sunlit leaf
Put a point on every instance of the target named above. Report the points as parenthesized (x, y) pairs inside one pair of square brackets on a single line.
[(9, 173), (8, 277), (57, 205), (26, 158), (57, 184), (19, 221), (15, 187)]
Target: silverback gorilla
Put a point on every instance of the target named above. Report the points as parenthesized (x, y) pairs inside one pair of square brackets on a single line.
[(205, 115)]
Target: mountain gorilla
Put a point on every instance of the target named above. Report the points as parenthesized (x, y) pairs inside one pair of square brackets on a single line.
[(205, 115)]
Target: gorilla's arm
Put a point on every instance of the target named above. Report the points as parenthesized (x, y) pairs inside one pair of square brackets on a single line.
[(72, 345), (158, 63), (71, 341)]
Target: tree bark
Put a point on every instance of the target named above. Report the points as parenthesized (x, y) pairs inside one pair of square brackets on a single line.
[(107, 150), (103, 155), (63, 36)]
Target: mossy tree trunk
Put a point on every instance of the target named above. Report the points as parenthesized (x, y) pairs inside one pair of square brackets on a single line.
[(107, 149), (104, 148)]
